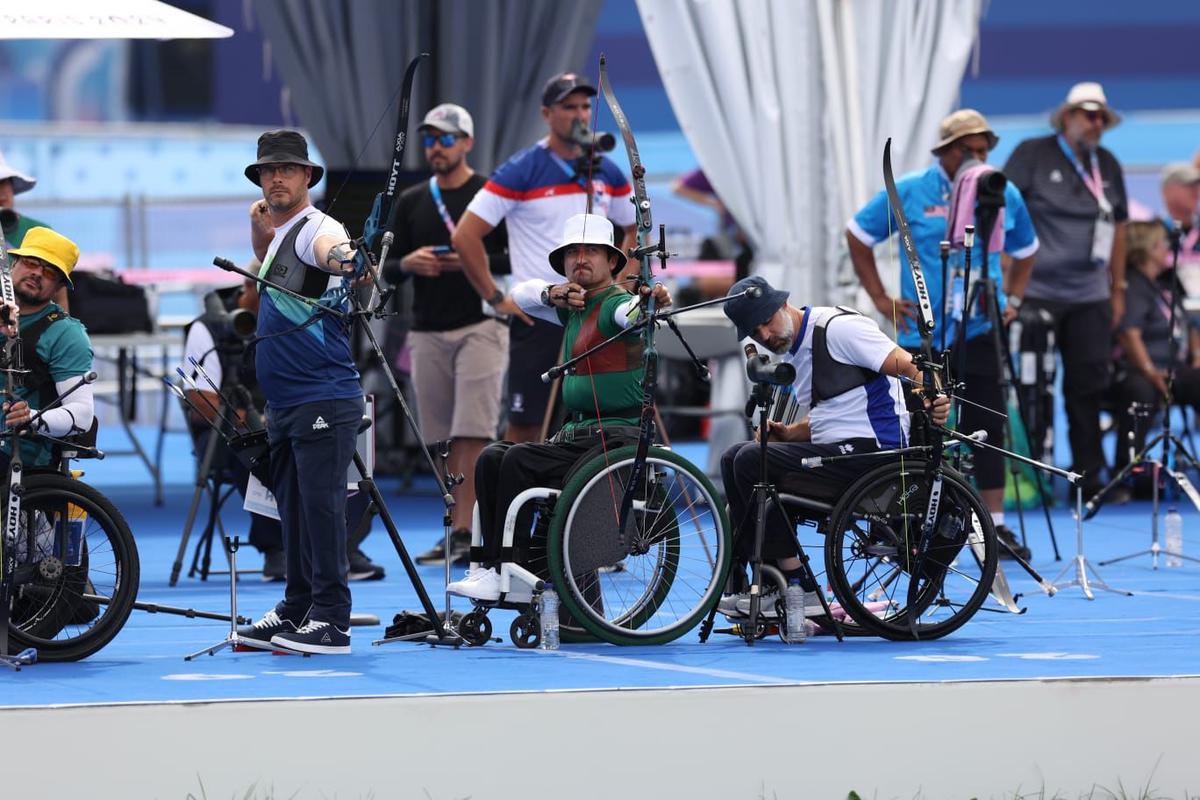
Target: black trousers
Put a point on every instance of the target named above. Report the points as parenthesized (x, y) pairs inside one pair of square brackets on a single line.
[(1132, 387), (504, 470), (1084, 335), (741, 469)]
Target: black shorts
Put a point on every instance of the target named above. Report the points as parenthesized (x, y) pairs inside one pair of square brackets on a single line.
[(532, 349)]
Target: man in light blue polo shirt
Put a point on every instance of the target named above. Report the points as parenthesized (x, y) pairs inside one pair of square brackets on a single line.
[(926, 197)]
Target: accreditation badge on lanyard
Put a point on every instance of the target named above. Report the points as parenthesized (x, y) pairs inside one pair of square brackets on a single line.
[(501, 281), (1106, 224)]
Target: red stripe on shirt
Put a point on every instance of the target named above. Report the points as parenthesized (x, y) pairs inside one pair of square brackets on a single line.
[(556, 190)]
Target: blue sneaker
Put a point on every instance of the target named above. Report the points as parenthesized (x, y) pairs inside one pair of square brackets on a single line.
[(322, 638)]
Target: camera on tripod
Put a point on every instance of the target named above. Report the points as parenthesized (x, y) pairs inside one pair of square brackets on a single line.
[(761, 369), (230, 326), (597, 141)]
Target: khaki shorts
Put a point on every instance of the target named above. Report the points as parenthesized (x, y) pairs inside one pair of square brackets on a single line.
[(458, 376)]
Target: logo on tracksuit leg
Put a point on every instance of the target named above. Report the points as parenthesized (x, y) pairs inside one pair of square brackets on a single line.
[(320, 424)]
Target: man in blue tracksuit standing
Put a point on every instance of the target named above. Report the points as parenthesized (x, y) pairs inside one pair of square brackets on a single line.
[(964, 138), (314, 398)]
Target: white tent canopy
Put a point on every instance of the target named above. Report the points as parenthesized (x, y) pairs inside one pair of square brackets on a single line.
[(104, 19)]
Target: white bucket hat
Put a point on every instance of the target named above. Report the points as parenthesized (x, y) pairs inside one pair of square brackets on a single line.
[(1090, 97), (20, 183), (586, 229)]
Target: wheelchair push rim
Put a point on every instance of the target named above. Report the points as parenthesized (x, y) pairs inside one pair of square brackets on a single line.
[(878, 522), (655, 582)]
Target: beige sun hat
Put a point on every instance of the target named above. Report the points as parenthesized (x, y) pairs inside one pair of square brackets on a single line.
[(1089, 96), (964, 122)]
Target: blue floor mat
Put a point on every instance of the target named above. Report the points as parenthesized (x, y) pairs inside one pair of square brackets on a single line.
[(1154, 633)]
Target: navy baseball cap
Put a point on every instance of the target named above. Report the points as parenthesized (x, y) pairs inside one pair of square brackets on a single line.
[(747, 312), (558, 87)]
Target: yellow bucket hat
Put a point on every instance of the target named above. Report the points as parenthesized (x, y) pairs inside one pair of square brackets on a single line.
[(51, 247)]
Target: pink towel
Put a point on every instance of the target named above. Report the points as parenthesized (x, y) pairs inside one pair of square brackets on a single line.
[(962, 209)]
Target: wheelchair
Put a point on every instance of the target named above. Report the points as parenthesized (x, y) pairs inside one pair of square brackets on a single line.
[(869, 532), (649, 583), (77, 568)]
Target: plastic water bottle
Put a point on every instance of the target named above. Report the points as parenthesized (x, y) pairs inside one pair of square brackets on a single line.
[(549, 619), (793, 604), (1173, 537)]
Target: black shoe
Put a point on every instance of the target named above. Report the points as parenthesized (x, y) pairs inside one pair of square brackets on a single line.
[(363, 569), (274, 566), (258, 636), (1006, 536), (315, 637), (460, 550)]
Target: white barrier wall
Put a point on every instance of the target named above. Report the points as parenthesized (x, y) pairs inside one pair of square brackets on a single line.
[(986, 739)]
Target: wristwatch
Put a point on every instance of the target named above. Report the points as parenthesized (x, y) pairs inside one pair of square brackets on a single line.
[(546, 296), (1015, 302), (496, 297)]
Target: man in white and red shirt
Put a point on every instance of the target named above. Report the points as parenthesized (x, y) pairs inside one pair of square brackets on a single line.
[(534, 193)]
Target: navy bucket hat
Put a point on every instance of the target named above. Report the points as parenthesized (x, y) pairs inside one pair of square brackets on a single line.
[(747, 312)]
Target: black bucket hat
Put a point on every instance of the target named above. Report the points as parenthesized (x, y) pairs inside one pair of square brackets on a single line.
[(283, 147)]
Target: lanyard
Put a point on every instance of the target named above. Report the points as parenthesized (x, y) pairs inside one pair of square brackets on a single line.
[(436, 191), (572, 174), (1093, 182)]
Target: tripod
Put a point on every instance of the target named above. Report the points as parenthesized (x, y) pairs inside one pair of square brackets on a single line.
[(1169, 442), (1080, 563), (208, 481), (984, 291), (231, 639), (764, 497)]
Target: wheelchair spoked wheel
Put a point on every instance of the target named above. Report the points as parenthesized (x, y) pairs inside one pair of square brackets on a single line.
[(870, 539), (66, 610), (656, 581)]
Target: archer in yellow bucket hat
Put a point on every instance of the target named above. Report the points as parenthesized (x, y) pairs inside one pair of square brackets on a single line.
[(55, 249)]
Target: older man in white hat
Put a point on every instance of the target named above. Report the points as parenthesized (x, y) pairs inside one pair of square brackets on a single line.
[(603, 396), (13, 183), (1075, 191)]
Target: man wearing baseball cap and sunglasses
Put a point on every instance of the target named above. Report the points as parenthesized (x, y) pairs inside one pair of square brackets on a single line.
[(1075, 190), (535, 192), (54, 346), (459, 353)]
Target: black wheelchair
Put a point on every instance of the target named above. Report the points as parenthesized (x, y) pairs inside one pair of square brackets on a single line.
[(869, 532), (76, 571)]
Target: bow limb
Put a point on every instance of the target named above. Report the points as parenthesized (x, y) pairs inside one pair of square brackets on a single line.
[(918, 551), (381, 222)]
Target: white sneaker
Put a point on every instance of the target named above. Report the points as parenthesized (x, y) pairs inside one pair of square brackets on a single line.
[(812, 605), (766, 606), (481, 583), (729, 602)]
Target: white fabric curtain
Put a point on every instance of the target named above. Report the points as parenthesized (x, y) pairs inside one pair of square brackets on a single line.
[(787, 106)]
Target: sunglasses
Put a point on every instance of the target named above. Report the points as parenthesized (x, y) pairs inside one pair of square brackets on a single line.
[(444, 139), (266, 172), (1093, 115)]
